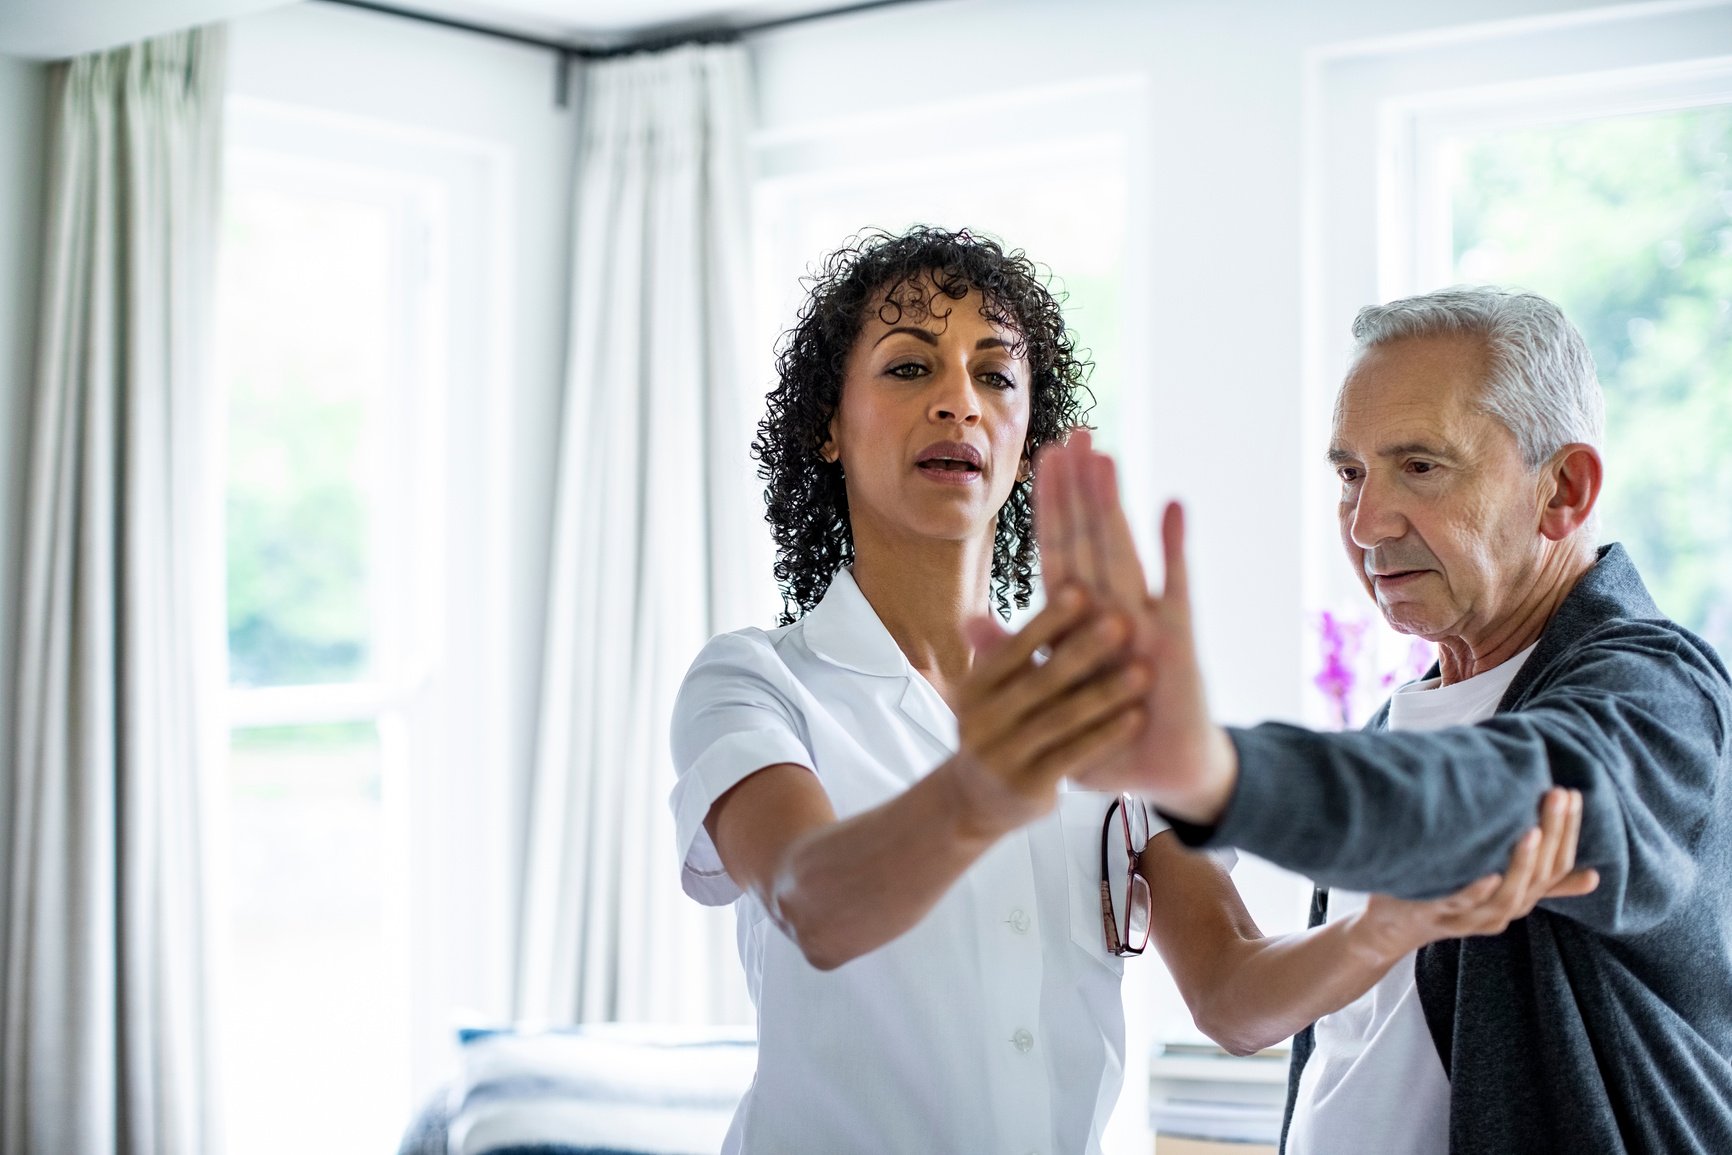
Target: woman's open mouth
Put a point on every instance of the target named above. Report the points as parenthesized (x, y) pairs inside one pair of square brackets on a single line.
[(950, 462)]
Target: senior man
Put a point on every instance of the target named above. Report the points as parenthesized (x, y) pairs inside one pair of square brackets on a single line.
[(1465, 440)]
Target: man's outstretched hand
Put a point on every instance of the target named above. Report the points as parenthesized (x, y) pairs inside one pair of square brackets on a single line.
[(1182, 761)]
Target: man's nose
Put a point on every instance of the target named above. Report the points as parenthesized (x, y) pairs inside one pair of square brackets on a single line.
[(1374, 515), (955, 396)]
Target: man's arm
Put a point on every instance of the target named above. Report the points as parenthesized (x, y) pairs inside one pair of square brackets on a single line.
[(1634, 721)]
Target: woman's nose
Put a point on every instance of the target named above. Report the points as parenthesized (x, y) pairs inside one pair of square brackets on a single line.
[(954, 397)]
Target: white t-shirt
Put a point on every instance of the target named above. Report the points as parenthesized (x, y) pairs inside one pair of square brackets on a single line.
[(1374, 1082), (995, 1024)]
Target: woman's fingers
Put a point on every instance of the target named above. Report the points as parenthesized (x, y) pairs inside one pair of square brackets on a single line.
[(1563, 857), (1513, 897), (1575, 884), (1562, 879), (1064, 609), (1093, 651), (1061, 720)]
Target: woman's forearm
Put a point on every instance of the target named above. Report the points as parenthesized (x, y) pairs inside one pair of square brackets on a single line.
[(1248, 991), (841, 888), (1263, 990)]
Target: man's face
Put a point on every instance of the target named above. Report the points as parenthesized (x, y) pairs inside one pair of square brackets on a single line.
[(1439, 514)]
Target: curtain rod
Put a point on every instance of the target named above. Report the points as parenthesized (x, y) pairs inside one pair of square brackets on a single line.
[(655, 41)]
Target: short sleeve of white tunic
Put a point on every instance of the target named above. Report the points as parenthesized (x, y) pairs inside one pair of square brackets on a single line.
[(734, 716)]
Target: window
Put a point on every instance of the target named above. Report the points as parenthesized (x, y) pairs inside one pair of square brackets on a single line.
[(365, 894), (324, 321), (1626, 222)]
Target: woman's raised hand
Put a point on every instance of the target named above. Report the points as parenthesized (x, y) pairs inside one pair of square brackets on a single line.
[(1024, 724)]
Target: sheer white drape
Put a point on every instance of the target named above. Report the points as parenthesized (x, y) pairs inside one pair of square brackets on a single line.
[(103, 1025), (654, 518)]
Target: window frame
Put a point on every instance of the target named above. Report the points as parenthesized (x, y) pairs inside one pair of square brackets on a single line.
[(436, 689)]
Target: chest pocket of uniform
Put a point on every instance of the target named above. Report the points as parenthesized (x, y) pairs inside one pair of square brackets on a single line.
[(1081, 814)]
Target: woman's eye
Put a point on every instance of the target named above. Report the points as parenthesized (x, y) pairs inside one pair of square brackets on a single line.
[(907, 370), (999, 380)]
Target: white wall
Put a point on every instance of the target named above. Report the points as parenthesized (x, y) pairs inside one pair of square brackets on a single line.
[(23, 100)]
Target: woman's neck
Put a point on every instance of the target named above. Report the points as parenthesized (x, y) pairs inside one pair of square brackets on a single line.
[(923, 592)]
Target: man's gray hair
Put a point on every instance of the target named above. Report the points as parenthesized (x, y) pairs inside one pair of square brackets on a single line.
[(1541, 385)]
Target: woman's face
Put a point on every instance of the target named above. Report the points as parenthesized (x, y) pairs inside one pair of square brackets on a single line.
[(932, 425)]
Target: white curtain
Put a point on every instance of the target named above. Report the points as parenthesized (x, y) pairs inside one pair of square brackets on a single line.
[(655, 519), (103, 1026)]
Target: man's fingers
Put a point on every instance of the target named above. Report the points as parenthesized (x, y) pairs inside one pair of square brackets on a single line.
[(1115, 546), (1175, 582), (1085, 569), (1054, 531)]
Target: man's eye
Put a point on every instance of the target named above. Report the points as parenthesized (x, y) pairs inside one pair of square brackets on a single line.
[(1421, 466), (1348, 474)]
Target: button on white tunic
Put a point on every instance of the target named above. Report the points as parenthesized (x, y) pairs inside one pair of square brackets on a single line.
[(995, 1024)]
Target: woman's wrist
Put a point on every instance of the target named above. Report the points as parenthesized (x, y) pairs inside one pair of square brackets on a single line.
[(962, 796)]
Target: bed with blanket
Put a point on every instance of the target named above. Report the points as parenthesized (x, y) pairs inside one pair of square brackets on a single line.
[(596, 1090)]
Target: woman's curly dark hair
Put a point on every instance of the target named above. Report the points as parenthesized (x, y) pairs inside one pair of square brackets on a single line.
[(806, 498)]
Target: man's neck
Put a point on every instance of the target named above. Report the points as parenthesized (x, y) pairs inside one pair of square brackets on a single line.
[(1461, 658)]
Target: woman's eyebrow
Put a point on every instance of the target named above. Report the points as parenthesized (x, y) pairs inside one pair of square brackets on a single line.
[(926, 335)]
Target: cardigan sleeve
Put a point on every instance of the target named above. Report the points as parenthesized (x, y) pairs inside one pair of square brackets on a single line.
[(1635, 716)]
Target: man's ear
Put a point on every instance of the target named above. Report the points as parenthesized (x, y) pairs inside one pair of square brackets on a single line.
[(1575, 473)]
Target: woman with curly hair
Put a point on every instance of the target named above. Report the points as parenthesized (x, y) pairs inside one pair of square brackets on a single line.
[(932, 930)]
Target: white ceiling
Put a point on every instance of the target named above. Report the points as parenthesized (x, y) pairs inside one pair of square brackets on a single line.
[(48, 29)]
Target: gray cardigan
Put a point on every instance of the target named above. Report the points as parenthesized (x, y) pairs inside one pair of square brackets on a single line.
[(1596, 1024)]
